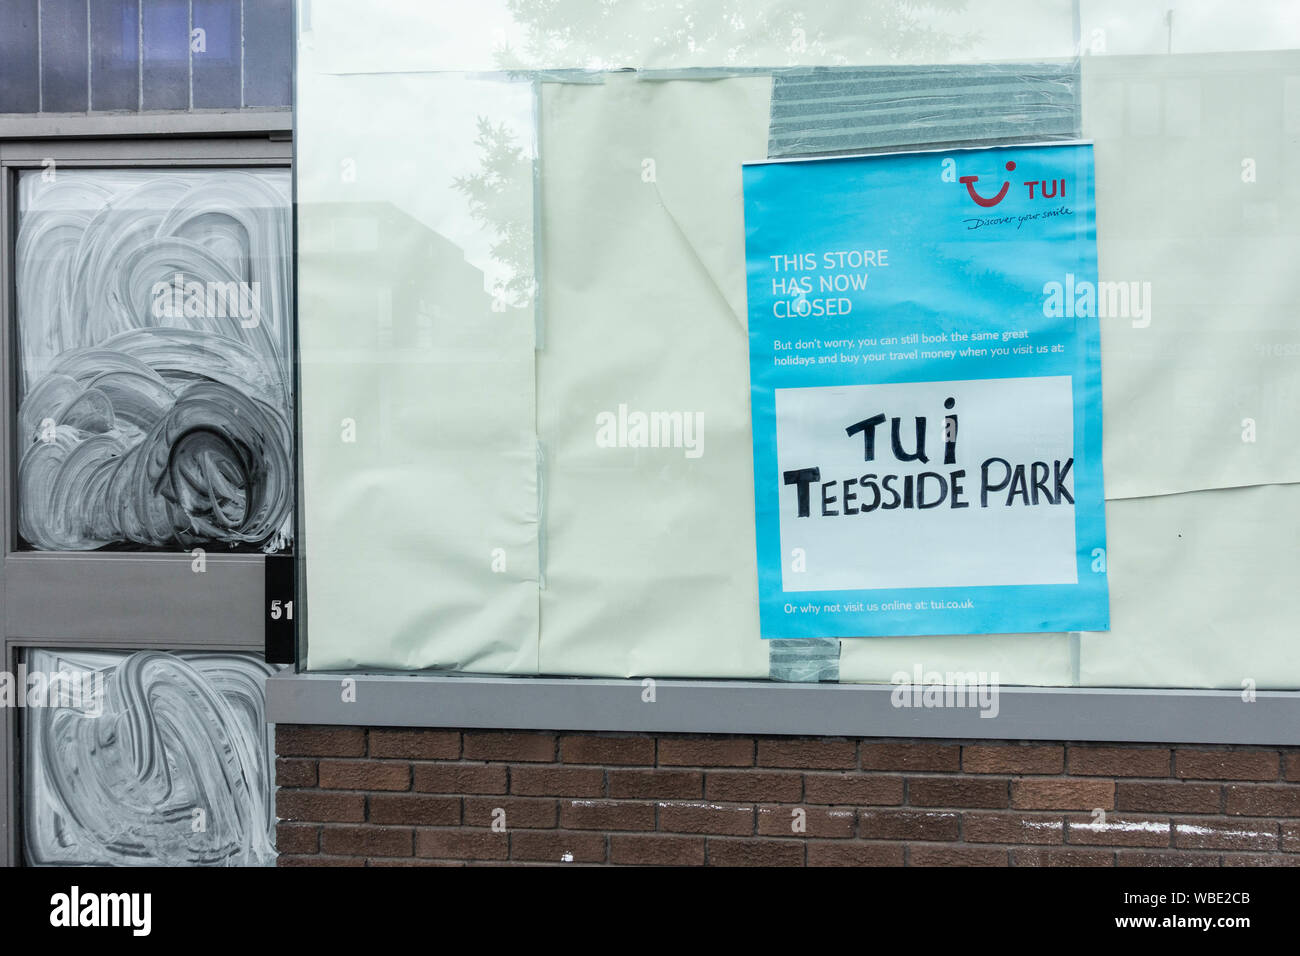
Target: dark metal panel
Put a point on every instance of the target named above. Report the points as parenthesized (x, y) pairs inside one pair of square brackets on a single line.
[(281, 609), (268, 52), (166, 72), (218, 64), (19, 52), (65, 57), (115, 54)]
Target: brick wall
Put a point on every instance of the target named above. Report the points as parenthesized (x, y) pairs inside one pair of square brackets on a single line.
[(353, 796)]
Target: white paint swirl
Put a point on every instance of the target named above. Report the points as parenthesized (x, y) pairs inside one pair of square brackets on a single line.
[(174, 767), (140, 431)]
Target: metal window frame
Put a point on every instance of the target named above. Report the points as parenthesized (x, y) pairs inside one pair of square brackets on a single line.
[(746, 707), (121, 600)]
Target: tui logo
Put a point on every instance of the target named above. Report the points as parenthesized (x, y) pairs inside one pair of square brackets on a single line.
[(970, 181)]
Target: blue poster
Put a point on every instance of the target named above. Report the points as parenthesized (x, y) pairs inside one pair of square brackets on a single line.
[(926, 393)]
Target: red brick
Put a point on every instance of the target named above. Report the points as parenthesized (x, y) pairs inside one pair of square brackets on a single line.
[(854, 789), (1063, 794), (364, 775), (706, 752), (1041, 829), (656, 850), (290, 772), (812, 753), (613, 796), (319, 741), (843, 853), (557, 781), (1012, 758), (1118, 829), (1260, 859), (415, 744), (896, 756), (606, 815), (1215, 833), (519, 812), (1169, 797), (414, 809), (1291, 837), (1119, 761), (1164, 858), (1292, 768), (608, 751), (1256, 801), (957, 792), (319, 807), (558, 846), (822, 822), (297, 838), (1226, 764), (755, 852), (412, 861), (460, 778), (462, 844), (656, 784), (740, 786), (366, 841), (320, 861), (1061, 856), (498, 745), (921, 855), (908, 825), (730, 819)]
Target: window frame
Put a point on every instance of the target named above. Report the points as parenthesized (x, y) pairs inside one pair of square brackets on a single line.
[(117, 600)]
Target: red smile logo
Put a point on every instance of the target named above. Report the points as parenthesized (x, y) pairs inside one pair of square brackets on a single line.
[(970, 182)]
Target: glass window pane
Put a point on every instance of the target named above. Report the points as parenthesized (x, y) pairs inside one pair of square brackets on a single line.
[(90, 799), (154, 379), (612, 556)]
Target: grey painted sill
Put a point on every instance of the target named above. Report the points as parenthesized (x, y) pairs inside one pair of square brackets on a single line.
[(760, 707), (156, 123)]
